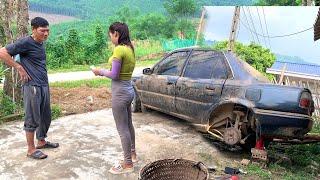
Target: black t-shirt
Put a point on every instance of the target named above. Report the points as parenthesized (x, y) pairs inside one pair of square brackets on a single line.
[(32, 58)]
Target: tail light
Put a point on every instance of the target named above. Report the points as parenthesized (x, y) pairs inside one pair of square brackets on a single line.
[(305, 100)]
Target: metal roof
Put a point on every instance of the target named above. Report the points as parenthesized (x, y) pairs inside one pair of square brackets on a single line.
[(303, 70)]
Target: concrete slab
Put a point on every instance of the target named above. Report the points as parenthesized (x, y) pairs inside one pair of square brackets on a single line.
[(89, 146)]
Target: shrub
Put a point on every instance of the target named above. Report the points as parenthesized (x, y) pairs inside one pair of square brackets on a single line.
[(55, 111)]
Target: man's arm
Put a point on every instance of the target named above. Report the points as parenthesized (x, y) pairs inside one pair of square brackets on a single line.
[(5, 56)]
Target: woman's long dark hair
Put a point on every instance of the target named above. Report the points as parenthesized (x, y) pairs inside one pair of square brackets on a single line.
[(123, 30)]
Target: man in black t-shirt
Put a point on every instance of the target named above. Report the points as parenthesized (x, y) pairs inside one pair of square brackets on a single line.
[(36, 95)]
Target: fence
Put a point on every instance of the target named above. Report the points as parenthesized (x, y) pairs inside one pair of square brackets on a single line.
[(169, 45)]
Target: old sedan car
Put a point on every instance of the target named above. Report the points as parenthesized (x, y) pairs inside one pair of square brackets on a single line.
[(223, 96)]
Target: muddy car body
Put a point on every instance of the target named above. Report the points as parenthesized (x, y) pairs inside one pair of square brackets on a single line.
[(224, 96)]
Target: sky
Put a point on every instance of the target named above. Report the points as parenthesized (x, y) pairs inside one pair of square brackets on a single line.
[(280, 21)]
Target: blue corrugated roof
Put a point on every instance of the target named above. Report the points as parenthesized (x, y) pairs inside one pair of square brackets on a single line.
[(301, 68)]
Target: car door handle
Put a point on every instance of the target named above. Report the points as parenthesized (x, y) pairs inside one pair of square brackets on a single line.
[(210, 88), (210, 91)]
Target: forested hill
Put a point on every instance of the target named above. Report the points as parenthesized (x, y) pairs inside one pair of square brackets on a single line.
[(101, 8)]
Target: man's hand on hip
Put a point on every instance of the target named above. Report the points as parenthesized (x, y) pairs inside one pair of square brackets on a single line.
[(24, 77)]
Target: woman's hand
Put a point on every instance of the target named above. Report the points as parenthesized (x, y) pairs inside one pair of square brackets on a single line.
[(96, 72)]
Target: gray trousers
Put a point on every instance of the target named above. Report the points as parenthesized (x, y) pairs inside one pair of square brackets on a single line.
[(37, 109), (122, 96)]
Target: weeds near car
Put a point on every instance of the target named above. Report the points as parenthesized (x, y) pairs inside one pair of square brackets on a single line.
[(55, 111), (303, 160)]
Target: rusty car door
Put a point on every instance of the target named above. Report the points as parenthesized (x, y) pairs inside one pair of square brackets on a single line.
[(158, 89), (201, 84)]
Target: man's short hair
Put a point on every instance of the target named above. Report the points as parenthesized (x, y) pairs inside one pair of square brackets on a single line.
[(39, 22)]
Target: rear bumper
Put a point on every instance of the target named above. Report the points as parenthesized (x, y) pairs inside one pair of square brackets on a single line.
[(282, 124)]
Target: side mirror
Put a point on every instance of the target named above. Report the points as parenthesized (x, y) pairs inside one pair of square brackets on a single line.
[(147, 71)]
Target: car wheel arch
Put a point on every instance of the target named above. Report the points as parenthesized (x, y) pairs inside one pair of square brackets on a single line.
[(226, 108)]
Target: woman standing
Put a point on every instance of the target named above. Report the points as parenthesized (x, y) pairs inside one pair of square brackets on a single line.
[(123, 63)]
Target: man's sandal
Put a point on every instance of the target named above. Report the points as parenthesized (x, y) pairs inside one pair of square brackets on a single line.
[(37, 155), (48, 145)]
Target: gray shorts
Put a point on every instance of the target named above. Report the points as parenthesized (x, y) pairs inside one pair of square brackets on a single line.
[(37, 109)]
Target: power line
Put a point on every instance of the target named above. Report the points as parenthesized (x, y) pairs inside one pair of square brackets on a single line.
[(244, 12), (265, 22), (264, 39), (255, 32), (278, 36)]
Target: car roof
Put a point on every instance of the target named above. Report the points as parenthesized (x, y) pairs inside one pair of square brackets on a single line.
[(241, 70)]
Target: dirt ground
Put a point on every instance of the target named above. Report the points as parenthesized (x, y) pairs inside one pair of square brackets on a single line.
[(81, 99)]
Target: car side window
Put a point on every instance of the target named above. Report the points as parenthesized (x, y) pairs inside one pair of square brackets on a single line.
[(206, 65), (172, 65)]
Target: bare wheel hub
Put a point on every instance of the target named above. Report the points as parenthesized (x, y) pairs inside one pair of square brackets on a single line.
[(231, 136)]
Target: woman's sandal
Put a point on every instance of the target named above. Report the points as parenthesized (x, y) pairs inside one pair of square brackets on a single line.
[(119, 169)]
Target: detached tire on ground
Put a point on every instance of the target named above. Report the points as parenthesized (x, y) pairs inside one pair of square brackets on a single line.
[(136, 103)]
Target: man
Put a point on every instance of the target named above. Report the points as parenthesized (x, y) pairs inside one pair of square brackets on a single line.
[(33, 74)]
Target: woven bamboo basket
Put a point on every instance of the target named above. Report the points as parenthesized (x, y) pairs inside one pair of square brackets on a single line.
[(174, 169)]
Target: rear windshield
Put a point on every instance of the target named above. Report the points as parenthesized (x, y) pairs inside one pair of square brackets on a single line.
[(252, 71)]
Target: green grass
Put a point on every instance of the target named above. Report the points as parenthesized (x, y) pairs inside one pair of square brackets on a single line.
[(305, 160), (92, 83), (258, 171), (316, 125), (304, 163), (71, 68)]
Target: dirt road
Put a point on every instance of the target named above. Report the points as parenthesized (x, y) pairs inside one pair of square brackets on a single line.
[(90, 145)]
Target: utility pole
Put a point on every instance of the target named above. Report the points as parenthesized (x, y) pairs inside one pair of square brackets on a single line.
[(234, 27), (200, 25), (306, 3)]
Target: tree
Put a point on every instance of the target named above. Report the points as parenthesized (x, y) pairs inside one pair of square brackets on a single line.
[(56, 53), (100, 41), (255, 55), (180, 8), (2, 35), (153, 25), (73, 46), (10, 75), (14, 11), (124, 14), (279, 3), (180, 12)]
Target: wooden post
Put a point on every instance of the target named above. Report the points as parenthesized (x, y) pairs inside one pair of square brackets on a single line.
[(200, 26), (282, 73), (234, 27)]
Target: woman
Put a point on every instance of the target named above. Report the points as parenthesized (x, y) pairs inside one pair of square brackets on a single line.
[(123, 63)]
